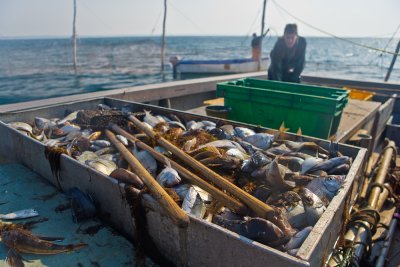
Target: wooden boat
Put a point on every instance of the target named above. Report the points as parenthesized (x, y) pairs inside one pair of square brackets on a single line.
[(227, 66), (202, 243)]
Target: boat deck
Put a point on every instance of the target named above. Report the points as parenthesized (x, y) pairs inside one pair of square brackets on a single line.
[(22, 189)]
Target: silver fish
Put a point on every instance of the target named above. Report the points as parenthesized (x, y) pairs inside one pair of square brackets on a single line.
[(326, 187), (101, 143), (330, 164), (103, 107), (21, 214), (87, 155), (340, 169), (228, 129), (102, 165), (168, 177), (243, 132), (110, 157), (176, 124), (66, 129), (106, 150), (223, 144), (152, 120), (42, 123), (275, 176), (122, 139), (194, 202), (162, 150), (293, 163), (313, 206), (236, 153), (21, 126), (297, 240), (189, 144), (293, 208), (309, 163), (208, 124), (70, 117), (182, 190), (147, 160), (193, 125), (260, 140), (279, 150), (257, 160)]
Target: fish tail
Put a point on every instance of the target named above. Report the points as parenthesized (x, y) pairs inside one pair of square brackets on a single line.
[(76, 246)]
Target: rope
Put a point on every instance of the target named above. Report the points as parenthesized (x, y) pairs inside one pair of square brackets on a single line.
[(186, 17), (332, 35)]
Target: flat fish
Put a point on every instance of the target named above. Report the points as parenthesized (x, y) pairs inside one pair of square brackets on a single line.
[(260, 140), (257, 229), (102, 165), (298, 239), (243, 132), (326, 187), (23, 241), (21, 214), (82, 205)]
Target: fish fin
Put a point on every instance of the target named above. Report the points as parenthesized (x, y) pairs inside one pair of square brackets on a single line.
[(299, 132), (50, 238), (167, 163), (282, 129)]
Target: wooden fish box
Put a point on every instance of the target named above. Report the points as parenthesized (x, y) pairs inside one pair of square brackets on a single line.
[(202, 243)]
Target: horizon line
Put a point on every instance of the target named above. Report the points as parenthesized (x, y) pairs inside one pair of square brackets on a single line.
[(33, 37)]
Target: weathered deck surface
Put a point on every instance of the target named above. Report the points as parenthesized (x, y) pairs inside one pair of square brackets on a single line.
[(356, 115), (21, 188)]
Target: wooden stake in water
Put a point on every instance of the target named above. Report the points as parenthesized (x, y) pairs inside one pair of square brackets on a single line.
[(163, 36), (74, 38)]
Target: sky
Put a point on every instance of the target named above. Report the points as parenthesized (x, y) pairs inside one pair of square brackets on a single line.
[(344, 18)]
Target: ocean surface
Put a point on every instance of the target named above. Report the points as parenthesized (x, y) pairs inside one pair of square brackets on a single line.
[(42, 68)]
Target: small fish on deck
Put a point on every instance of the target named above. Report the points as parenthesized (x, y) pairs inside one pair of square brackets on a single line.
[(21, 214), (23, 241)]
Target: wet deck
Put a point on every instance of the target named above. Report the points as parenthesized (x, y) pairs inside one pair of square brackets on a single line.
[(21, 188)]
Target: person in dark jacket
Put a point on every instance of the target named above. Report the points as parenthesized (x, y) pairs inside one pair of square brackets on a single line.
[(288, 56)]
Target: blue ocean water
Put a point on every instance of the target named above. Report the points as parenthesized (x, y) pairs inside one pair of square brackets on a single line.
[(42, 68)]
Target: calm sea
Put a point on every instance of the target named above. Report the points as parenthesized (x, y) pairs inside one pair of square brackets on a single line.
[(42, 68)]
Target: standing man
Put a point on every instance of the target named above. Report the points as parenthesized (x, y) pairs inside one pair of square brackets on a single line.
[(288, 56), (256, 47)]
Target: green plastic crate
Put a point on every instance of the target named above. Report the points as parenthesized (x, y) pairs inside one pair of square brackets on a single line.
[(317, 110)]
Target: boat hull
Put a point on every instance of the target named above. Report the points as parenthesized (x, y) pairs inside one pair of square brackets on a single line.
[(221, 66)]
